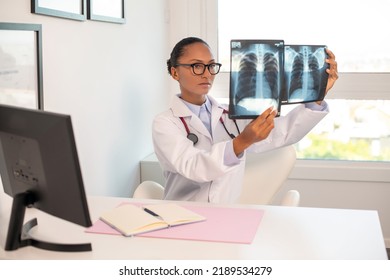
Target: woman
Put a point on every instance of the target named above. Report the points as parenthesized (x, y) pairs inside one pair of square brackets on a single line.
[(202, 151)]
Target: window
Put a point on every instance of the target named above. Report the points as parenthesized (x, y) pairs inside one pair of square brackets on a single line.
[(353, 30), (358, 128)]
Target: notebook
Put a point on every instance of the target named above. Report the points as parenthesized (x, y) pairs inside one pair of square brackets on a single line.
[(222, 224), (130, 219)]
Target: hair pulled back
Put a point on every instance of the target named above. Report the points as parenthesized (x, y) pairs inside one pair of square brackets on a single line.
[(179, 49)]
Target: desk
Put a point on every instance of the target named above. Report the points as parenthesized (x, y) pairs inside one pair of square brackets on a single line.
[(284, 233)]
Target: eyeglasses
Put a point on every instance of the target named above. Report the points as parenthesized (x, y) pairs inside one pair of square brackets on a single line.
[(199, 68)]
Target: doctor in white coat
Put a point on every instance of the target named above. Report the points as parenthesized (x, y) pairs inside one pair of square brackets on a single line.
[(201, 151)]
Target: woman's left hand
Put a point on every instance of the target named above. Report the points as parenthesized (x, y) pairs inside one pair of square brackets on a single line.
[(332, 70)]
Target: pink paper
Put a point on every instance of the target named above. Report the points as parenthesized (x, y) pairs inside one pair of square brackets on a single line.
[(223, 224)]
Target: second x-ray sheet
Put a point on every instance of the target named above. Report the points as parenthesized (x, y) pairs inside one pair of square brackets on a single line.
[(255, 77), (305, 76)]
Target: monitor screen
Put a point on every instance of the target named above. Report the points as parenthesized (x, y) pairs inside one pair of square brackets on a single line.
[(38, 160)]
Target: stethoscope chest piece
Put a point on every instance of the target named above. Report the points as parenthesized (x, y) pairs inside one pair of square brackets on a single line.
[(193, 137)]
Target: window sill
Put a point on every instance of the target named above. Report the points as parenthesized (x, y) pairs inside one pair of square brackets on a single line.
[(333, 170)]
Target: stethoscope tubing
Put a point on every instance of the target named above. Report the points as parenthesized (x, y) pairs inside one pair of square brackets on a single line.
[(194, 138)]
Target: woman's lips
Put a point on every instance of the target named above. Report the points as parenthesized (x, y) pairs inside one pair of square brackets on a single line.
[(205, 84)]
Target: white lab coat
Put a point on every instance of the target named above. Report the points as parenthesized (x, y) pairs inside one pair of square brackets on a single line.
[(197, 172)]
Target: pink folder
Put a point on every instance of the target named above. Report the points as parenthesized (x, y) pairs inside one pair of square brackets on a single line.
[(223, 224)]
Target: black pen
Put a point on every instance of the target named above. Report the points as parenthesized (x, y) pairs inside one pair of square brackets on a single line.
[(152, 213)]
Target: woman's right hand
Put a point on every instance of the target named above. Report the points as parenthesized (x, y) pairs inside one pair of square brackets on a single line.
[(255, 131)]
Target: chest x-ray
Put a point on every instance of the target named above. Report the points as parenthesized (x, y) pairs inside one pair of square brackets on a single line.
[(305, 73), (255, 79), (266, 73)]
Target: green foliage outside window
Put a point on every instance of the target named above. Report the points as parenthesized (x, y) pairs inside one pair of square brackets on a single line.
[(322, 147)]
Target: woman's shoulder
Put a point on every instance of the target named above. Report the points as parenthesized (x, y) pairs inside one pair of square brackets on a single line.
[(167, 114)]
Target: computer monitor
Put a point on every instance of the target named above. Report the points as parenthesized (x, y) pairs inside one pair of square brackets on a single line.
[(40, 168)]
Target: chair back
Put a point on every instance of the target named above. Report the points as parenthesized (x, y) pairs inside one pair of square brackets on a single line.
[(265, 174), (149, 190)]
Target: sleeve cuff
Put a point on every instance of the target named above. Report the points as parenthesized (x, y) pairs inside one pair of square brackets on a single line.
[(230, 157), (317, 107)]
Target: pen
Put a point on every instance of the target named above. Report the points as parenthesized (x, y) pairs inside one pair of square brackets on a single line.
[(152, 213)]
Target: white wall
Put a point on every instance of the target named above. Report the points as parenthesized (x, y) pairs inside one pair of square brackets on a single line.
[(111, 79), (188, 18)]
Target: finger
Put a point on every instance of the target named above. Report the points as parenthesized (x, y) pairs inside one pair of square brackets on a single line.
[(273, 113), (332, 70), (330, 54), (263, 116), (269, 121), (268, 111), (332, 74), (331, 57), (332, 64), (265, 129)]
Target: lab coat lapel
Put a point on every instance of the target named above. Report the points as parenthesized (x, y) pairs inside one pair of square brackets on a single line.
[(197, 124), (179, 109), (216, 113)]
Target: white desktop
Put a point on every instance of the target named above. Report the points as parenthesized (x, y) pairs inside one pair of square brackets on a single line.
[(285, 233)]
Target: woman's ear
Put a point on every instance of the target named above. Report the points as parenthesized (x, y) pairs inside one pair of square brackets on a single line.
[(174, 73)]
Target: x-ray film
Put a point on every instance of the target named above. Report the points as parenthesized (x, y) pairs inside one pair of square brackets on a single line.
[(305, 75), (255, 77), (268, 73)]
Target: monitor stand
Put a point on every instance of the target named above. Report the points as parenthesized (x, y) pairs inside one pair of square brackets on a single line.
[(18, 234)]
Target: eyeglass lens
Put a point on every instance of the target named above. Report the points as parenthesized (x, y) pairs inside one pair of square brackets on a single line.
[(199, 68)]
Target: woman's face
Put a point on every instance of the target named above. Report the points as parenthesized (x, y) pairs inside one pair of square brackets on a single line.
[(194, 87)]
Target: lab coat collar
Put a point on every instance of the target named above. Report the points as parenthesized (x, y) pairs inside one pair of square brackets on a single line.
[(179, 109)]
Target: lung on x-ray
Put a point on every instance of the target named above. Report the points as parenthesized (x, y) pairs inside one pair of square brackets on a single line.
[(255, 77), (268, 73)]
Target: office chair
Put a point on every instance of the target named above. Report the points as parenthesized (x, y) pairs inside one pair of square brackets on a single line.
[(265, 174), (153, 190), (150, 190)]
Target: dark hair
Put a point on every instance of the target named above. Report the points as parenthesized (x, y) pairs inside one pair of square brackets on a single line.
[(178, 50)]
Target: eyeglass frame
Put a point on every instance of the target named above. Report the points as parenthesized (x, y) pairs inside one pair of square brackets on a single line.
[(192, 65)]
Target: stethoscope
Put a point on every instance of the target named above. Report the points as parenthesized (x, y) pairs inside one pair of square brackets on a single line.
[(192, 136)]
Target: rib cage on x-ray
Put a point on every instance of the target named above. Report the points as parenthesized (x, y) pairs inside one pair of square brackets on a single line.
[(305, 75), (257, 75)]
